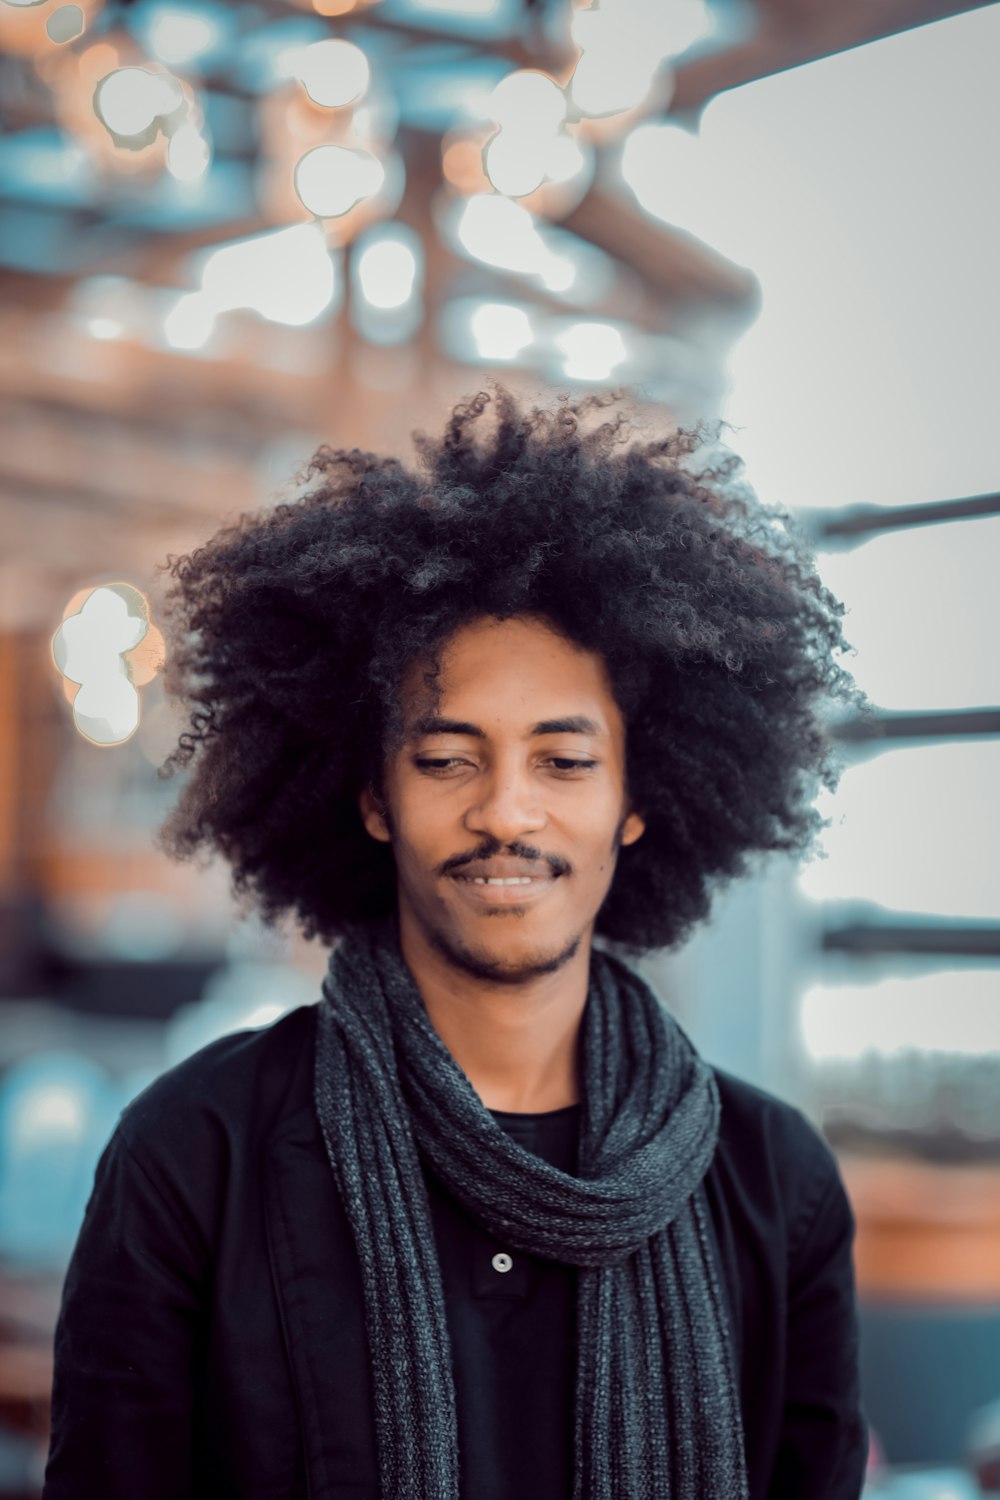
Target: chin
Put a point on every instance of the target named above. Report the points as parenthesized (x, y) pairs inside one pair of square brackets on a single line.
[(514, 956)]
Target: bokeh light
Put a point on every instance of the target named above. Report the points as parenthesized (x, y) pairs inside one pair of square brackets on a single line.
[(285, 275), (501, 233), (189, 155), (501, 331), (89, 650), (131, 100), (65, 24), (388, 263), (591, 351), (178, 36), (189, 323), (333, 73), (330, 180), (528, 101)]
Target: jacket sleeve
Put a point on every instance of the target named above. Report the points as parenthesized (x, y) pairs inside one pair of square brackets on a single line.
[(126, 1343), (823, 1447)]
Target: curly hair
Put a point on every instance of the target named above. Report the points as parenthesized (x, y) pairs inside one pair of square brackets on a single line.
[(290, 633)]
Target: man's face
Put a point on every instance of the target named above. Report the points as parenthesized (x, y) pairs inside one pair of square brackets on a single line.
[(494, 787)]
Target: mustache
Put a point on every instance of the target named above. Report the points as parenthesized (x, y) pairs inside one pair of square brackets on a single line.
[(556, 865)]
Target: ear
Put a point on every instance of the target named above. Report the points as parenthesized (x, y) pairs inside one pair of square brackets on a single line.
[(635, 827), (373, 815)]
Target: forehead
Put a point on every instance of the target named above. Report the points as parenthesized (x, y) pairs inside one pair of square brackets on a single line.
[(519, 672)]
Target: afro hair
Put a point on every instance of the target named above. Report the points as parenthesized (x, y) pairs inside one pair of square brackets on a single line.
[(290, 633)]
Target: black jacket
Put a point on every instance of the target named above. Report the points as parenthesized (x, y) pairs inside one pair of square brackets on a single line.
[(211, 1341)]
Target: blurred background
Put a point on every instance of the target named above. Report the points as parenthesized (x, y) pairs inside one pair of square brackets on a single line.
[(229, 232)]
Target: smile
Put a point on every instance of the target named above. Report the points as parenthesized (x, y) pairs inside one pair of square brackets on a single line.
[(510, 891)]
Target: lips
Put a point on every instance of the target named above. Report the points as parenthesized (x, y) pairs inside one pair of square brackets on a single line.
[(506, 895), (504, 869)]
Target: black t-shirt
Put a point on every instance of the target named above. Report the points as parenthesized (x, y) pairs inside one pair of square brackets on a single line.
[(512, 1322)]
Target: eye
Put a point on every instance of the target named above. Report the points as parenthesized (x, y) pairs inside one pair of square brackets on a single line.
[(566, 765)]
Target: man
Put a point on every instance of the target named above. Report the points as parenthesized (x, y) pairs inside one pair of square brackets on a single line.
[(481, 1223)]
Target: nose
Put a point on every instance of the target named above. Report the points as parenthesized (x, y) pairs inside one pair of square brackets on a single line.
[(509, 804)]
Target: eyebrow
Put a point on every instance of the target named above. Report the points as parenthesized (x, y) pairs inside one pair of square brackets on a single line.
[(434, 724)]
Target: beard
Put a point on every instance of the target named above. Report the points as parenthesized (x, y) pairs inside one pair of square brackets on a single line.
[(486, 964)]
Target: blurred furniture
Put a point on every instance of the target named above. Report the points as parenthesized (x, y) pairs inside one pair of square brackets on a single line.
[(28, 1308), (924, 1370), (928, 1265)]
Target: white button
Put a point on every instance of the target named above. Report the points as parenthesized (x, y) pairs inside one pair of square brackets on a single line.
[(502, 1261)]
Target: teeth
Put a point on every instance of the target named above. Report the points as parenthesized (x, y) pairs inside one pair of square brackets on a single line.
[(513, 880)]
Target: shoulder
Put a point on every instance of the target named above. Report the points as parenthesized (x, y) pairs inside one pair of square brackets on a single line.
[(189, 1147), (774, 1163), (756, 1122), (786, 1233), (236, 1091)]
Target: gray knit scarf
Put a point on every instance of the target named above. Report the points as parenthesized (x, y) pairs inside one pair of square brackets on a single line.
[(657, 1415)]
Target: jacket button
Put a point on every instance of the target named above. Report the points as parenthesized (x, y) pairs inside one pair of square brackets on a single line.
[(502, 1261)]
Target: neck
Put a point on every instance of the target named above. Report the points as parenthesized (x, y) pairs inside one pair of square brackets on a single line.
[(517, 1044)]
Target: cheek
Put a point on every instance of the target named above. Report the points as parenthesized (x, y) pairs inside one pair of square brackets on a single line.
[(424, 828)]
